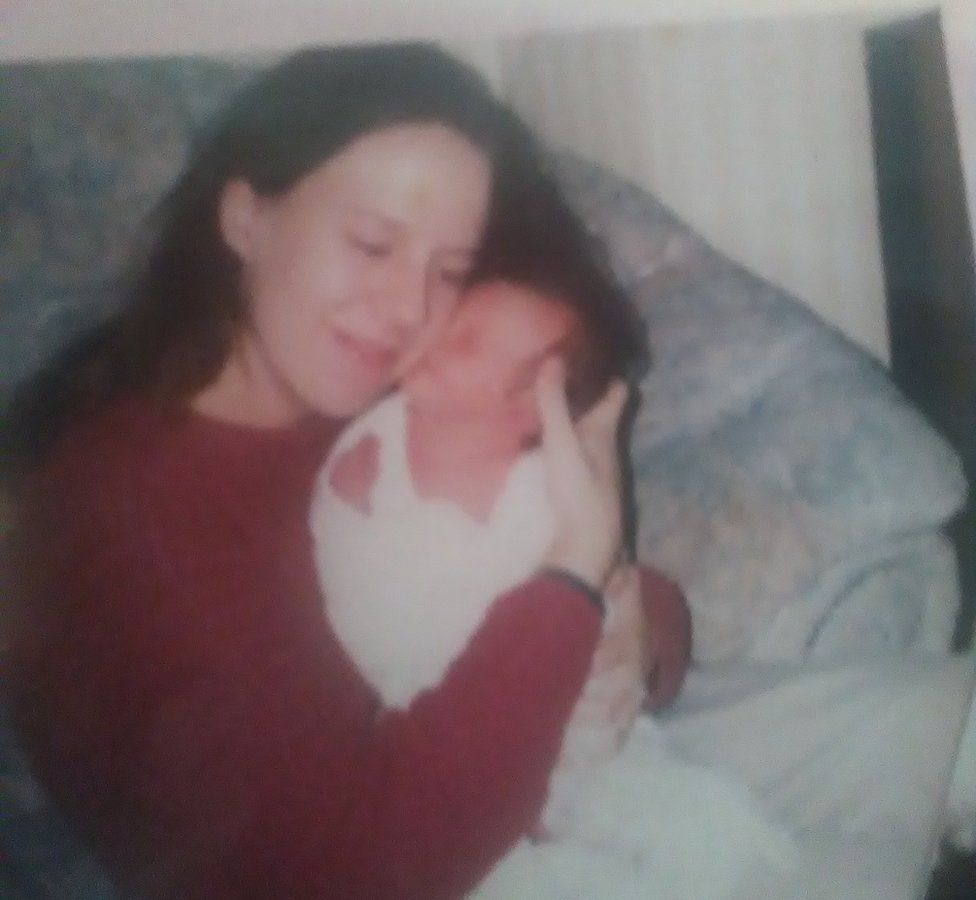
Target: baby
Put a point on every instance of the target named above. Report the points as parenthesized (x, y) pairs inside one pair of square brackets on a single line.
[(439, 478), (433, 504)]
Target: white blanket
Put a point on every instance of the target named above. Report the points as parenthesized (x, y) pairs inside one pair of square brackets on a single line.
[(642, 823), (854, 757)]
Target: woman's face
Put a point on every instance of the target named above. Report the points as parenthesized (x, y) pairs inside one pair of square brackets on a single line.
[(351, 271)]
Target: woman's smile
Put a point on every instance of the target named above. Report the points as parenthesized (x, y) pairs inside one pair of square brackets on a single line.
[(370, 353)]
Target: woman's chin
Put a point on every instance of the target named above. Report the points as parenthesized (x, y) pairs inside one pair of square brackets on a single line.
[(346, 400)]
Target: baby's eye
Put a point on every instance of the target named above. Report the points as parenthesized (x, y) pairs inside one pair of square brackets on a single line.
[(466, 341)]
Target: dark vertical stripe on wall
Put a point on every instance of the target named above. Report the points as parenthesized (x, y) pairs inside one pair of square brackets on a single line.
[(927, 249)]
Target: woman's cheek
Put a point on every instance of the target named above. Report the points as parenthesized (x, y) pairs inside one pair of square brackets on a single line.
[(417, 347)]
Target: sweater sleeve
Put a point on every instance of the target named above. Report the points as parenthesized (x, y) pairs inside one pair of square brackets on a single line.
[(669, 620), (214, 741)]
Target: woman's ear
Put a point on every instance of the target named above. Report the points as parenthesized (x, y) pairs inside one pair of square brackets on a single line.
[(237, 214)]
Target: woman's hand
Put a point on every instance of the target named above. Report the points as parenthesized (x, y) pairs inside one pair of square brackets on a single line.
[(583, 477)]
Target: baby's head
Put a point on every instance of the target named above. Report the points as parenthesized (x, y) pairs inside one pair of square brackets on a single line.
[(487, 360)]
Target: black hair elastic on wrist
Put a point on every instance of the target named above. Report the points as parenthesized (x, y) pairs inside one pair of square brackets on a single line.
[(591, 593)]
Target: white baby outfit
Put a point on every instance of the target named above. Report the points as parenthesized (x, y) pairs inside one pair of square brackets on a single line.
[(408, 583)]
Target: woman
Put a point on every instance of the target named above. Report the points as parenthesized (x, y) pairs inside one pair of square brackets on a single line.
[(179, 689)]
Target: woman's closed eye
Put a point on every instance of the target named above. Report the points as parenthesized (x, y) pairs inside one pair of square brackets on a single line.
[(371, 247)]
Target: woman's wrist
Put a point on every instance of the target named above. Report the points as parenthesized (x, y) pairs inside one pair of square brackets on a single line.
[(592, 562)]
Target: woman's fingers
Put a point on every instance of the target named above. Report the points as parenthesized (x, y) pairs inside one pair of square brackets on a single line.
[(582, 469), (597, 431), (559, 439)]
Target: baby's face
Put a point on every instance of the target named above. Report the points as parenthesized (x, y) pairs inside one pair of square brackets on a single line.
[(489, 354)]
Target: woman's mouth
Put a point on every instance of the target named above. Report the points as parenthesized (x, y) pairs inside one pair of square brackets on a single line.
[(369, 353)]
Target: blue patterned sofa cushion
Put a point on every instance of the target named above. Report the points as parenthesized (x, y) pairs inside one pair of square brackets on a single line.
[(781, 477), (89, 149)]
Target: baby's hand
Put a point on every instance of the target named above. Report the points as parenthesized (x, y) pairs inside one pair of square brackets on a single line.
[(614, 693), (668, 635), (647, 637), (623, 658)]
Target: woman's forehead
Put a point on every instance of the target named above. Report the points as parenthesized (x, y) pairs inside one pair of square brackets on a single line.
[(427, 176), (423, 159)]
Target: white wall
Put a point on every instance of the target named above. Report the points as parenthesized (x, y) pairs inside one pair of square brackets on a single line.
[(75, 28), (756, 132), (959, 28)]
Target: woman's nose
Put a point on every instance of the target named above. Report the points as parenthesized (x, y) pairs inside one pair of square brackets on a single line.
[(405, 296)]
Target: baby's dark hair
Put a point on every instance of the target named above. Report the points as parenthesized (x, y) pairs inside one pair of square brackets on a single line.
[(546, 247)]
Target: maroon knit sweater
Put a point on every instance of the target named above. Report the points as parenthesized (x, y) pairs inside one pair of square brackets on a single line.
[(189, 708)]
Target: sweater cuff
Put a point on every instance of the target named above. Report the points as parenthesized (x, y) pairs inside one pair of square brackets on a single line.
[(591, 593)]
